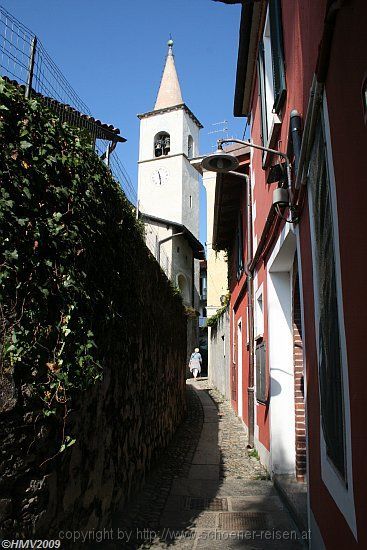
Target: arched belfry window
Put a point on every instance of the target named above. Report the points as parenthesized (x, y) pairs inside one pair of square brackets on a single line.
[(190, 147), (162, 144)]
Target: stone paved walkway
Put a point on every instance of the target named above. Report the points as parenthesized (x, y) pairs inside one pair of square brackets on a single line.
[(207, 492)]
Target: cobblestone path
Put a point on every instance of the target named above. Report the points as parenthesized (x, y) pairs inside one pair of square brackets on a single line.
[(207, 492)]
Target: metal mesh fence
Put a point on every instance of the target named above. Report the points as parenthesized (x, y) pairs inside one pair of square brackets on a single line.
[(24, 60), (16, 41)]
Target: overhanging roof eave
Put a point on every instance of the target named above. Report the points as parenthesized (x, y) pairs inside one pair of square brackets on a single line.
[(252, 20), (172, 108), (195, 244)]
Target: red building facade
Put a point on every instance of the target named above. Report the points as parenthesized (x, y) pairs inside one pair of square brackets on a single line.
[(302, 85)]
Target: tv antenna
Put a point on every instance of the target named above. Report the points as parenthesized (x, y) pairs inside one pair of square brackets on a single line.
[(222, 130)]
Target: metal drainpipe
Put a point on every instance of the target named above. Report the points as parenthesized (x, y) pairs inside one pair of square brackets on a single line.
[(295, 126), (193, 280), (250, 300)]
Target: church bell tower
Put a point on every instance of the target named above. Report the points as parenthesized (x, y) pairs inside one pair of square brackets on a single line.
[(168, 190), (168, 186)]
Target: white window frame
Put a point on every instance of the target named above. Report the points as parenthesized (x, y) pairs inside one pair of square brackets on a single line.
[(273, 120), (259, 313), (268, 74), (340, 490)]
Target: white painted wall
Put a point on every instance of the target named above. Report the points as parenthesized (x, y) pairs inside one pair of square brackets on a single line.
[(189, 127), (154, 232), (177, 198), (282, 423), (161, 200), (169, 200), (280, 345), (177, 123), (190, 188)]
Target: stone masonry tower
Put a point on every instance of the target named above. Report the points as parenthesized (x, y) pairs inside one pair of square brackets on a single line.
[(168, 186)]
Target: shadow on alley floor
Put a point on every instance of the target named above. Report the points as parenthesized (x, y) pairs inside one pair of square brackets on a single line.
[(206, 492)]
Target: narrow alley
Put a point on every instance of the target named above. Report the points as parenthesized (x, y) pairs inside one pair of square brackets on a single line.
[(198, 211), (207, 491)]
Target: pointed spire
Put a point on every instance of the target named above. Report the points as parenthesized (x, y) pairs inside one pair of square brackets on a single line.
[(169, 93)]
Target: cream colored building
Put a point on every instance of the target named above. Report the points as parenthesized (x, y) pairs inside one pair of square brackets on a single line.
[(217, 288), (217, 279)]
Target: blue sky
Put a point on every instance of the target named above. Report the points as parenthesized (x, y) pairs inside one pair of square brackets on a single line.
[(113, 52)]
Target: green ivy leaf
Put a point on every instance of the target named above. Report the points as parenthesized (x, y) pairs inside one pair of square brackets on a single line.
[(27, 193), (12, 255), (25, 145)]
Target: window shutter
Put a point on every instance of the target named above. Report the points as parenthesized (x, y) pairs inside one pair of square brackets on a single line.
[(276, 37), (261, 79), (260, 358), (330, 358)]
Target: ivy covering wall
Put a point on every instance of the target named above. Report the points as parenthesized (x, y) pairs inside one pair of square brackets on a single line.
[(92, 336)]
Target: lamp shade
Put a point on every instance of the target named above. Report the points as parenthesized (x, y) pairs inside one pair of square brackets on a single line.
[(220, 162)]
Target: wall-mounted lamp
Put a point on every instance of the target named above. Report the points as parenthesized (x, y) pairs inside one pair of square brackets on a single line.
[(220, 161), (223, 162)]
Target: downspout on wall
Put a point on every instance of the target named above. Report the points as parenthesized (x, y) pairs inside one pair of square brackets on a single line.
[(250, 305)]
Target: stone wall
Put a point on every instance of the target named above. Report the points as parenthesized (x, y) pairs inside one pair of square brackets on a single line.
[(219, 354), (119, 424), (92, 333)]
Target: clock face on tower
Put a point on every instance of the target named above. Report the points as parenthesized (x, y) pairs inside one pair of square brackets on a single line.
[(160, 176)]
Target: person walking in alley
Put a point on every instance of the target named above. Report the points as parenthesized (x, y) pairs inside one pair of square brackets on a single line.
[(195, 363)]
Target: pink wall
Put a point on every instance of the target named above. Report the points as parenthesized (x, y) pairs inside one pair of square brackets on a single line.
[(347, 71), (303, 27)]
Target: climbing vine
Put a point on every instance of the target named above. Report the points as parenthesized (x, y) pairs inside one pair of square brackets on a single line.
[(213, 320), (64, 223)]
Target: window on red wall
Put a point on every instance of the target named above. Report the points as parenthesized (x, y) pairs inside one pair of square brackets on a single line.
[(326, 307), (239, 246), (271, 70)]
